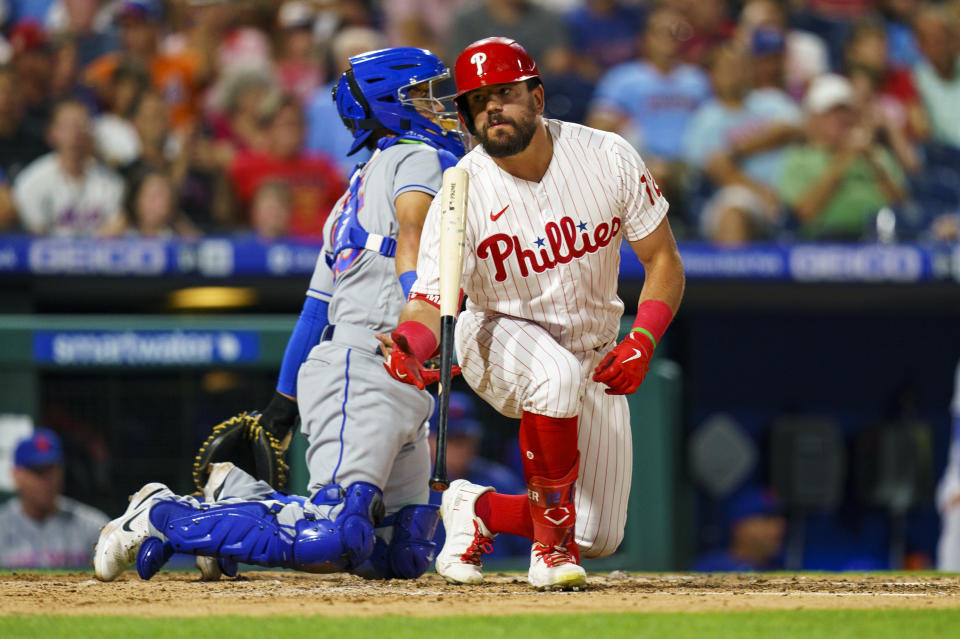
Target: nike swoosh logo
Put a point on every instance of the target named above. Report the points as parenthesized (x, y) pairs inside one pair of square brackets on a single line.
[(638, 355), (493, 218), (126, 524), (401, 375)]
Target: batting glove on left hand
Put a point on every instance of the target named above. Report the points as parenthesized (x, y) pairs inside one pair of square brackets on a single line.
[(624, 367), (403, 366)]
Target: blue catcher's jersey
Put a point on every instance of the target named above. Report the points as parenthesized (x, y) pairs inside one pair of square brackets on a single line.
[(356, 272)]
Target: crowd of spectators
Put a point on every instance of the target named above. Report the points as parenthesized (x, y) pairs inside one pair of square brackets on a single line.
[(761, 120)]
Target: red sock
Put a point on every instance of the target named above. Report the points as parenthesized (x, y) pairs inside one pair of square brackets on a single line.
[(548, 445), (511, 514), (506, 514)]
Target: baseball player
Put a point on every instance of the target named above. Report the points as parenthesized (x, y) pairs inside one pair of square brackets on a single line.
[(548, 204), (368, 454), (40, 527)]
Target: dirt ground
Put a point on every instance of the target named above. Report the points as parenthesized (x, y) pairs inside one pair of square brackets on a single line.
[(283, 592)]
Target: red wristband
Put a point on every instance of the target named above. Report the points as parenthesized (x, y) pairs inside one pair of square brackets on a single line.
[(653, 317), (420, 339)]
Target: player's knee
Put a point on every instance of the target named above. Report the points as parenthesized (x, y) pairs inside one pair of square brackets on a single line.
[(604, 544), (558, 387)]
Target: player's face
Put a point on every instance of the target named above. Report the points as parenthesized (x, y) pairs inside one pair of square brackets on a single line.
[(39, 487), (505, 117), (441, 110), (419, 96)]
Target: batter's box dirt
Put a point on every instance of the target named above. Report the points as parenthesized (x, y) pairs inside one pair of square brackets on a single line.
[(264, 593)]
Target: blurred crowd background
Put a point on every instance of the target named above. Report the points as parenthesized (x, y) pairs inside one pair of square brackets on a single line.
[(761, 120)]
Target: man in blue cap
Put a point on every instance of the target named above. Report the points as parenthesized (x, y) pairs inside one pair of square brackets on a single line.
[(757, 529), (41, 528)]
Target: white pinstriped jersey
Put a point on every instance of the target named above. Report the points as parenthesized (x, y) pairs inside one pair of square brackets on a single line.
[(549, 251)]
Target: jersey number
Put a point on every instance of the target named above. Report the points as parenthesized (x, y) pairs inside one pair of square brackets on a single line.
[(646, 185)]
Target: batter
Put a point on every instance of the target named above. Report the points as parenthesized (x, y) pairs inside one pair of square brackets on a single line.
[(548, 205)]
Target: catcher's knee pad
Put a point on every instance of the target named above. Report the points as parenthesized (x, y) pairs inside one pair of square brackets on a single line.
[(248, 532), (353, 529), (411, 548)]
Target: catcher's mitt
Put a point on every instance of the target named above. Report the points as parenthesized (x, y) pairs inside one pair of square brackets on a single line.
[(244, 441)]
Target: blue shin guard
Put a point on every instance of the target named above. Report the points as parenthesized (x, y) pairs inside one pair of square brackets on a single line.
[(249, 532), (411, 548)]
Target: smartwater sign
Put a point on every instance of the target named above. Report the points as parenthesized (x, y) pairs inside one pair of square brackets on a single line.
[(144, 348)]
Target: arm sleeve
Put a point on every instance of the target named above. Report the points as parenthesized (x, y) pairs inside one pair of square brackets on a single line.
[(306, 334), (642, 202)]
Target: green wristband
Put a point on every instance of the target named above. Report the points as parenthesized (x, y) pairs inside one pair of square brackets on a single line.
[(645, 332)]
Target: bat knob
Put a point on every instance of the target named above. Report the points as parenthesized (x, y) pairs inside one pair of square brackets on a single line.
[(439, 485)]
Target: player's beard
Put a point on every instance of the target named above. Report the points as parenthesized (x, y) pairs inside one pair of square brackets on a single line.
[(524, 129)]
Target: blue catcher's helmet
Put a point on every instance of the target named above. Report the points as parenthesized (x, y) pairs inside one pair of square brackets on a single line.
[(373, 94)]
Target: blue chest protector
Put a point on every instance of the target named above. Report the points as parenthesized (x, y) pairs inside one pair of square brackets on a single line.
[(350, 239)]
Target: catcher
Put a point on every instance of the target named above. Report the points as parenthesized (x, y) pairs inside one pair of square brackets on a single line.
[(367, 456)]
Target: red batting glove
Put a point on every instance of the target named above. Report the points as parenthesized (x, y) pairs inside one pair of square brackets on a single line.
[(432, 375), (624, 367), (404, 367)]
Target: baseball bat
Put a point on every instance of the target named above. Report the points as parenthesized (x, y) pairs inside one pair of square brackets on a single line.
[(453, 209)]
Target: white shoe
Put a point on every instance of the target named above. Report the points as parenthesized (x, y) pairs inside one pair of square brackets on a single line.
[(209, 566), (116, 549), (459, 561), (554, 569)]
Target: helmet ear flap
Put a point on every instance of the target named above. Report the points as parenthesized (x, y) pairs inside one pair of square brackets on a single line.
[(357, 94), (463, 111), (363, 121), (354, 110)]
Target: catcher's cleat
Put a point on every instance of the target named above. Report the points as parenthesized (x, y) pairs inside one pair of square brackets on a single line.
[(212, 568), (554, 568), (116, 549), (468, 539)]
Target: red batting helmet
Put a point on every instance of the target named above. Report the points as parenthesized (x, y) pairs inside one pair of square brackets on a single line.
[(490, 61)]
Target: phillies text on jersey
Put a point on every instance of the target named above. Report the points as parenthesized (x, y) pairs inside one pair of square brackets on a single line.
[(534, 249)]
